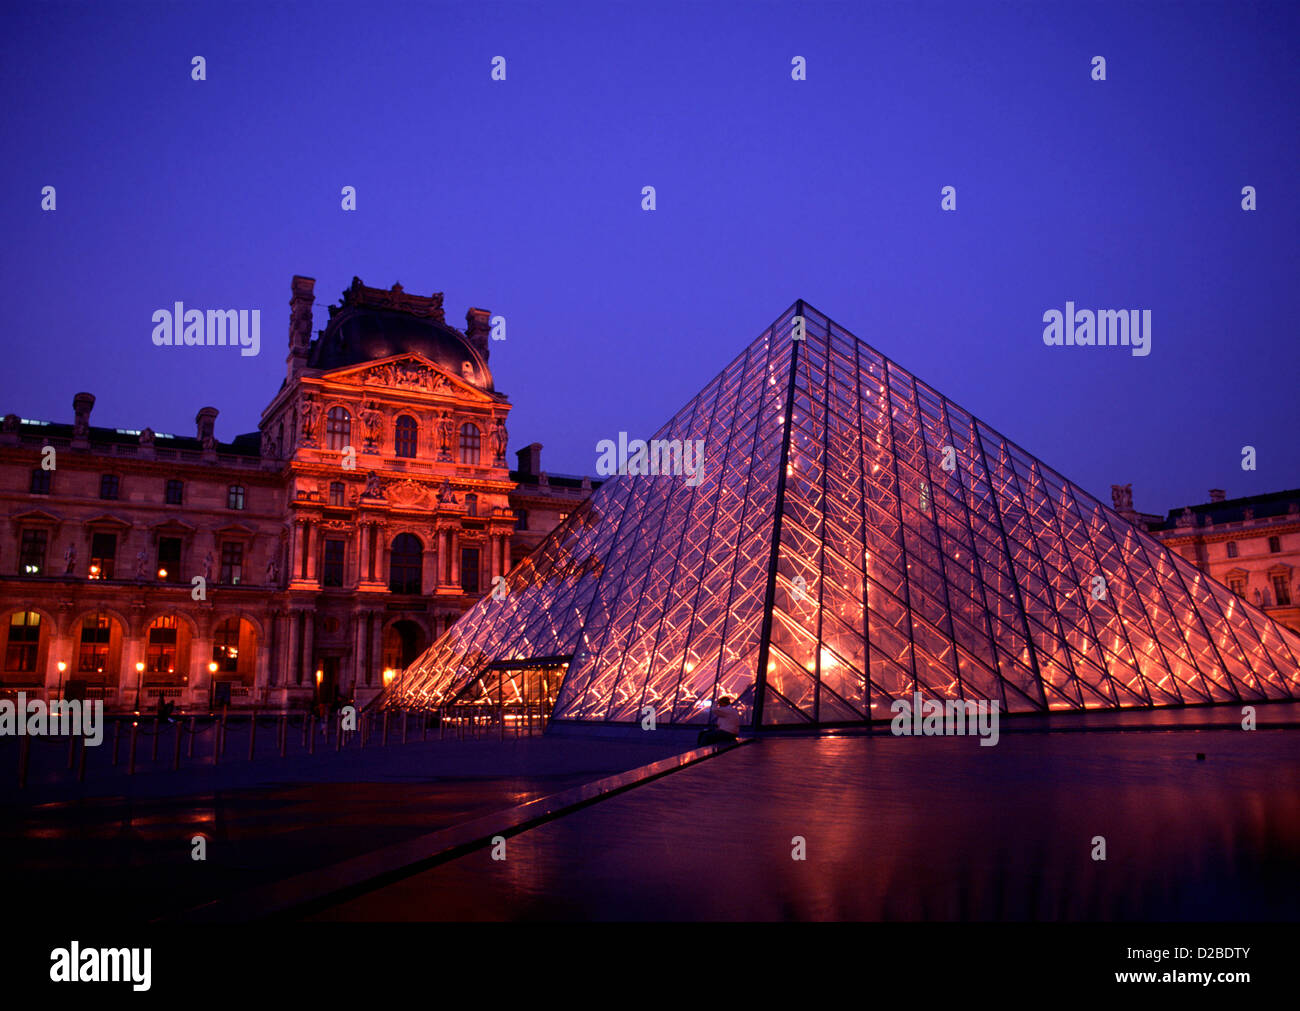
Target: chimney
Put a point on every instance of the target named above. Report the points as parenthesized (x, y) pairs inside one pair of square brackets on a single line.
[(206, 421), (1217, 495), (82, 404), (477, 327), (530, 460), (300, 322)]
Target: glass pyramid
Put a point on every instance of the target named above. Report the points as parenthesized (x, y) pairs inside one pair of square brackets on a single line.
[(855, 538)]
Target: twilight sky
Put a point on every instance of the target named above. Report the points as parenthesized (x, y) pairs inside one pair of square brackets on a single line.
[(524, 197)]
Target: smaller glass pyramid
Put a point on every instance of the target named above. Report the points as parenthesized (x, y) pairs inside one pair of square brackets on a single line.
[(855, 538)]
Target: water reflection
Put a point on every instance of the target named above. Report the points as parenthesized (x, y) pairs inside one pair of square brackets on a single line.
[(911, 829)]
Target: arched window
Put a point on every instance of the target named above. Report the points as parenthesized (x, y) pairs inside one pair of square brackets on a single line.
[(1232, 549), (405, 436), (24, 642), (338, 428), (405, 559), (161, 655), (469, 444), (96, 634), (225, 646)]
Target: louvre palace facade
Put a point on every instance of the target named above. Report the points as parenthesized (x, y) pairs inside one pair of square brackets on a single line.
[(297, 563)]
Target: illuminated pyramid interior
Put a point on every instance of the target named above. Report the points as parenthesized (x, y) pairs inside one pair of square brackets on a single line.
[(856, 538)]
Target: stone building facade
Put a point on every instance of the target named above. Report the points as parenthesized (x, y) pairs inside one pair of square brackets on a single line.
[(369, 511), (1251, 544)]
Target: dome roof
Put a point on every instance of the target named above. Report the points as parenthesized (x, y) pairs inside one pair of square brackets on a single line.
[(372, 324)]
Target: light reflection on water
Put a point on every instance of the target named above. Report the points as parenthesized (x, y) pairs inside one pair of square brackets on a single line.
[(911, 829)]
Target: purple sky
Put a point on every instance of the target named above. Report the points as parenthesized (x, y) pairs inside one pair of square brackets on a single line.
[(523, 197)]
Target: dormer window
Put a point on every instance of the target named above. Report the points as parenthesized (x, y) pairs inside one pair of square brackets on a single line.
[(467, 371)]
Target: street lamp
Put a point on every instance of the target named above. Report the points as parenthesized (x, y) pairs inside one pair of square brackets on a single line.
[(62, 667), (212, 680), (139, 677), (389, 674)]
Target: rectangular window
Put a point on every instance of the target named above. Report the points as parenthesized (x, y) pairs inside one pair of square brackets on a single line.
[(40, 482), (103, 553), (235, 497), (24, 640), (469, 570), (175, 492), (1274, 545), (333, 568), (336, 493), (108, 486), (521, 523), (1237, 585), (1281, 591), (169, 559), (95, 634), (232, 563), (31, 561)]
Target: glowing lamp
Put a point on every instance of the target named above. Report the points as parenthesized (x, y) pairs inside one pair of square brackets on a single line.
[(212, 667), (62, 666), (320, 676), (139, 667), (162, 573)]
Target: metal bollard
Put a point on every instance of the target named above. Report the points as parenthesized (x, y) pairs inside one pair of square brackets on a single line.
[(405, 713), (384, 741), (157, 724), (81, 765), (130, 770), (305, 720), (424, 725), (176, 754), (221, 735), (189, 745), (501, 719), (252, 735), (72, 750), (311, 738), (338, 734), (284, 732), (117, 733)]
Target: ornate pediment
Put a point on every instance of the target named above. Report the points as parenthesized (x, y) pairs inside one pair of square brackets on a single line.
[(410, 494), (408, 372)]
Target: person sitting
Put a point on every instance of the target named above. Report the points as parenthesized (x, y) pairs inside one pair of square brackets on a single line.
[(724, 724)]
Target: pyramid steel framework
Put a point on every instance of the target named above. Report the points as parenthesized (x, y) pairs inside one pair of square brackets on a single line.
[(856, 537)]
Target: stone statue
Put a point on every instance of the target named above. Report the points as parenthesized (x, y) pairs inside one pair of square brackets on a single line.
[(70, 557), (309, 414), (373, 489), (372, 417), (272, 572), (147, 437), (445, 496), (141, 564), (499, 436), (1121, 496), (207, 566), (446, 431), (11, 424), (270, 451)]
